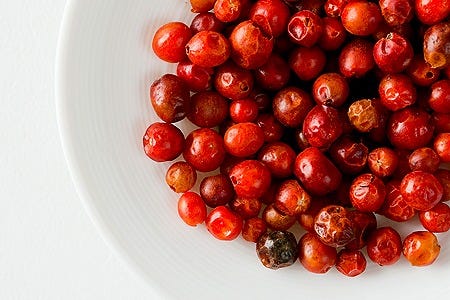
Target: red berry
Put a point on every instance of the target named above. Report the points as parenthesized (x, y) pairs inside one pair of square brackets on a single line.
[(191, 209), (163, 142), (224, 224)]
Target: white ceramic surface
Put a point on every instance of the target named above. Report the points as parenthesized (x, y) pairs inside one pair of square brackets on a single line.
[(104, 68)]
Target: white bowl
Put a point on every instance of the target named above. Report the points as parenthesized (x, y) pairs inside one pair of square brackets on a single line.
[(104, 69)]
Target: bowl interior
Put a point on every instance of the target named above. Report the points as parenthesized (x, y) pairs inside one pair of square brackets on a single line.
[(105, 67)]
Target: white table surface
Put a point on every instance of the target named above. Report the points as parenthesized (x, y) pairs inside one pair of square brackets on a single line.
[(49, 249)]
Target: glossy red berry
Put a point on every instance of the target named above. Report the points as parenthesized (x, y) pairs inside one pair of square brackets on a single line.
[(243, 139), (250, 178), (410, 128), (361, 18), (279, 158), (393, 53), (192, 209), (316, 172), (356, 58), (432, 11), (314, 255), (204, 150), (163, 142), (322, 126), (223, 223), (441, 145), (170, 40)]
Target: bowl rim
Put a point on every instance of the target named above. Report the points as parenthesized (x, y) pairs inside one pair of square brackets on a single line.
[(71, 12)]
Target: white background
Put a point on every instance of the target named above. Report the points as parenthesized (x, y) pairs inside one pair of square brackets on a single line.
[(49, 249)]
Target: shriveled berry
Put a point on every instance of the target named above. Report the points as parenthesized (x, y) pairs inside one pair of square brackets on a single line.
[(349, 155), (397, 91), (351, 263), (364, 115), (363, 224), (437, 219), (195, 77), (253, 229), (277, 249), (272, 128), (395, 206), (227, 10), (271, 15), (330, 89), (436, 45), (305, 28), (421, 190), (246, 207), (291, 198), (384, 246), (367, 192), (233, 82), (397, 12), (333, 226), (333, 34), (382, 161)]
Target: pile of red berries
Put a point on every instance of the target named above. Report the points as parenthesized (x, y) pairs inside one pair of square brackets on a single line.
[(323, 113)]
